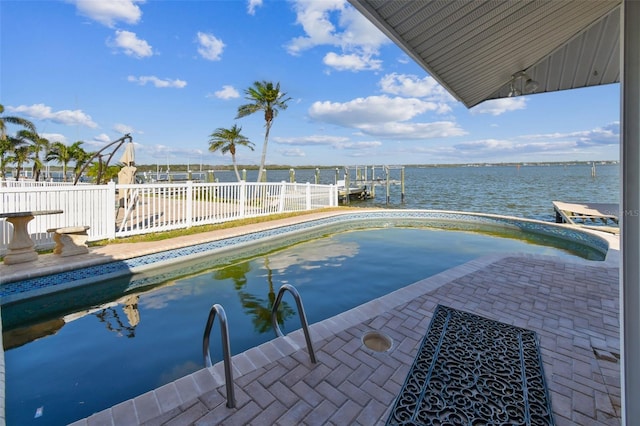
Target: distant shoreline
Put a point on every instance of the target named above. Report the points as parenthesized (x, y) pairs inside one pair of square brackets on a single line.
[(196, 168), (184, 168)]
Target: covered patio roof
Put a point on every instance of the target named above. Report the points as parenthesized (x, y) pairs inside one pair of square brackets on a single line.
[(473, 48)]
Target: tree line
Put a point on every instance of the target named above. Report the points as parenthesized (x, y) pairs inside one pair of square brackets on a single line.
[(26, 146)]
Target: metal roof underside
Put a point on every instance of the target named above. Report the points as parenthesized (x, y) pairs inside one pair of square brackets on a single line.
[(473, 48)]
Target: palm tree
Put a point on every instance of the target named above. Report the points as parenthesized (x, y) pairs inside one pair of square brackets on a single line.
[(59, 152), (226, 140), (105, 174), (6, 148), (38, 144), (21, 153), (6, 144), (80, 156), (264, 97), (260, 309), (13, 120)]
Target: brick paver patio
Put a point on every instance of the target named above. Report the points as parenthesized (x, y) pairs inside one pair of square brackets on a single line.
[(573, 306)]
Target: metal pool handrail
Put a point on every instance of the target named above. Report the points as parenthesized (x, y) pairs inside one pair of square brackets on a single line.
[(303, 317), (226, 350)]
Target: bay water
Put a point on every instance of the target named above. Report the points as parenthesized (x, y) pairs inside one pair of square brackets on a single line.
[(525, 191)]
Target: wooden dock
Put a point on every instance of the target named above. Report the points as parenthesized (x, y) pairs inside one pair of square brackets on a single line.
[(365, 177), (598, 216)]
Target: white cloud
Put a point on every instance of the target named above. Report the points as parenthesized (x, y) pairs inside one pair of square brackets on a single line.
[(123, 128), (487, 144), (600, 142), (157, 82), (494, 148), (102, 137), (361, 145), (66, 116), (336, 23), (351, 62), (54, 137), (438, 129), (370, 110), (210, 47), (94, 145), (131, 44), (108, 12), (599, 137), (385, 116), (359, 32), (500, 106), (227, 92), (313, 140), (163, 153), (411, 85), (607, 135), (404, 59), (338, 142), (295, 152), (583, 144), (314, 17), (253, 5)]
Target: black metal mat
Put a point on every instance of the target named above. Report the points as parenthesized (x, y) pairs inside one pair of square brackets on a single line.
[(475, 371)]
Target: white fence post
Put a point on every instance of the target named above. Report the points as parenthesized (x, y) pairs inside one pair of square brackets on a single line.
[(308, 189), (283, 192), (111, 212), (333, 195), (243, 198), (189, 203)]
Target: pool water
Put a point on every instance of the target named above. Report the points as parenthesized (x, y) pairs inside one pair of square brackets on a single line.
[(64, 365)]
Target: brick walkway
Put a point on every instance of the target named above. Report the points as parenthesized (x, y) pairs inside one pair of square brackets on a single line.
[(572, 305)]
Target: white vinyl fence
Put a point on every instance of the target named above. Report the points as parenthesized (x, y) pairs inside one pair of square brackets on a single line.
[(114, 211), (26, 183)]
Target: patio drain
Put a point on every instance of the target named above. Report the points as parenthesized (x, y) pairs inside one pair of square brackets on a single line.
[(376, 341)]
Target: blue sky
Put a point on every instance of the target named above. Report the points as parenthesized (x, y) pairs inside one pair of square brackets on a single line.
[(171, 72)]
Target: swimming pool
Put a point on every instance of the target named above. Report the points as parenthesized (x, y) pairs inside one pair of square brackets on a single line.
[(151, 334)]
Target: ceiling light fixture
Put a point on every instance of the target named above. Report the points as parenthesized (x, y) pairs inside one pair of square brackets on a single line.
[(530, 85), (512, 89)]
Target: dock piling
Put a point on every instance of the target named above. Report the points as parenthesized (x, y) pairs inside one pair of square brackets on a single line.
[(402, 185), (346, 185), (386, 169)]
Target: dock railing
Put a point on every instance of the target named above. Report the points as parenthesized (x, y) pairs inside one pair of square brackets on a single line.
[(112, 211)]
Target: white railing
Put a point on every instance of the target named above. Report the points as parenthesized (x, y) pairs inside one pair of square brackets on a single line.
[(29, 183), (114, 211)]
